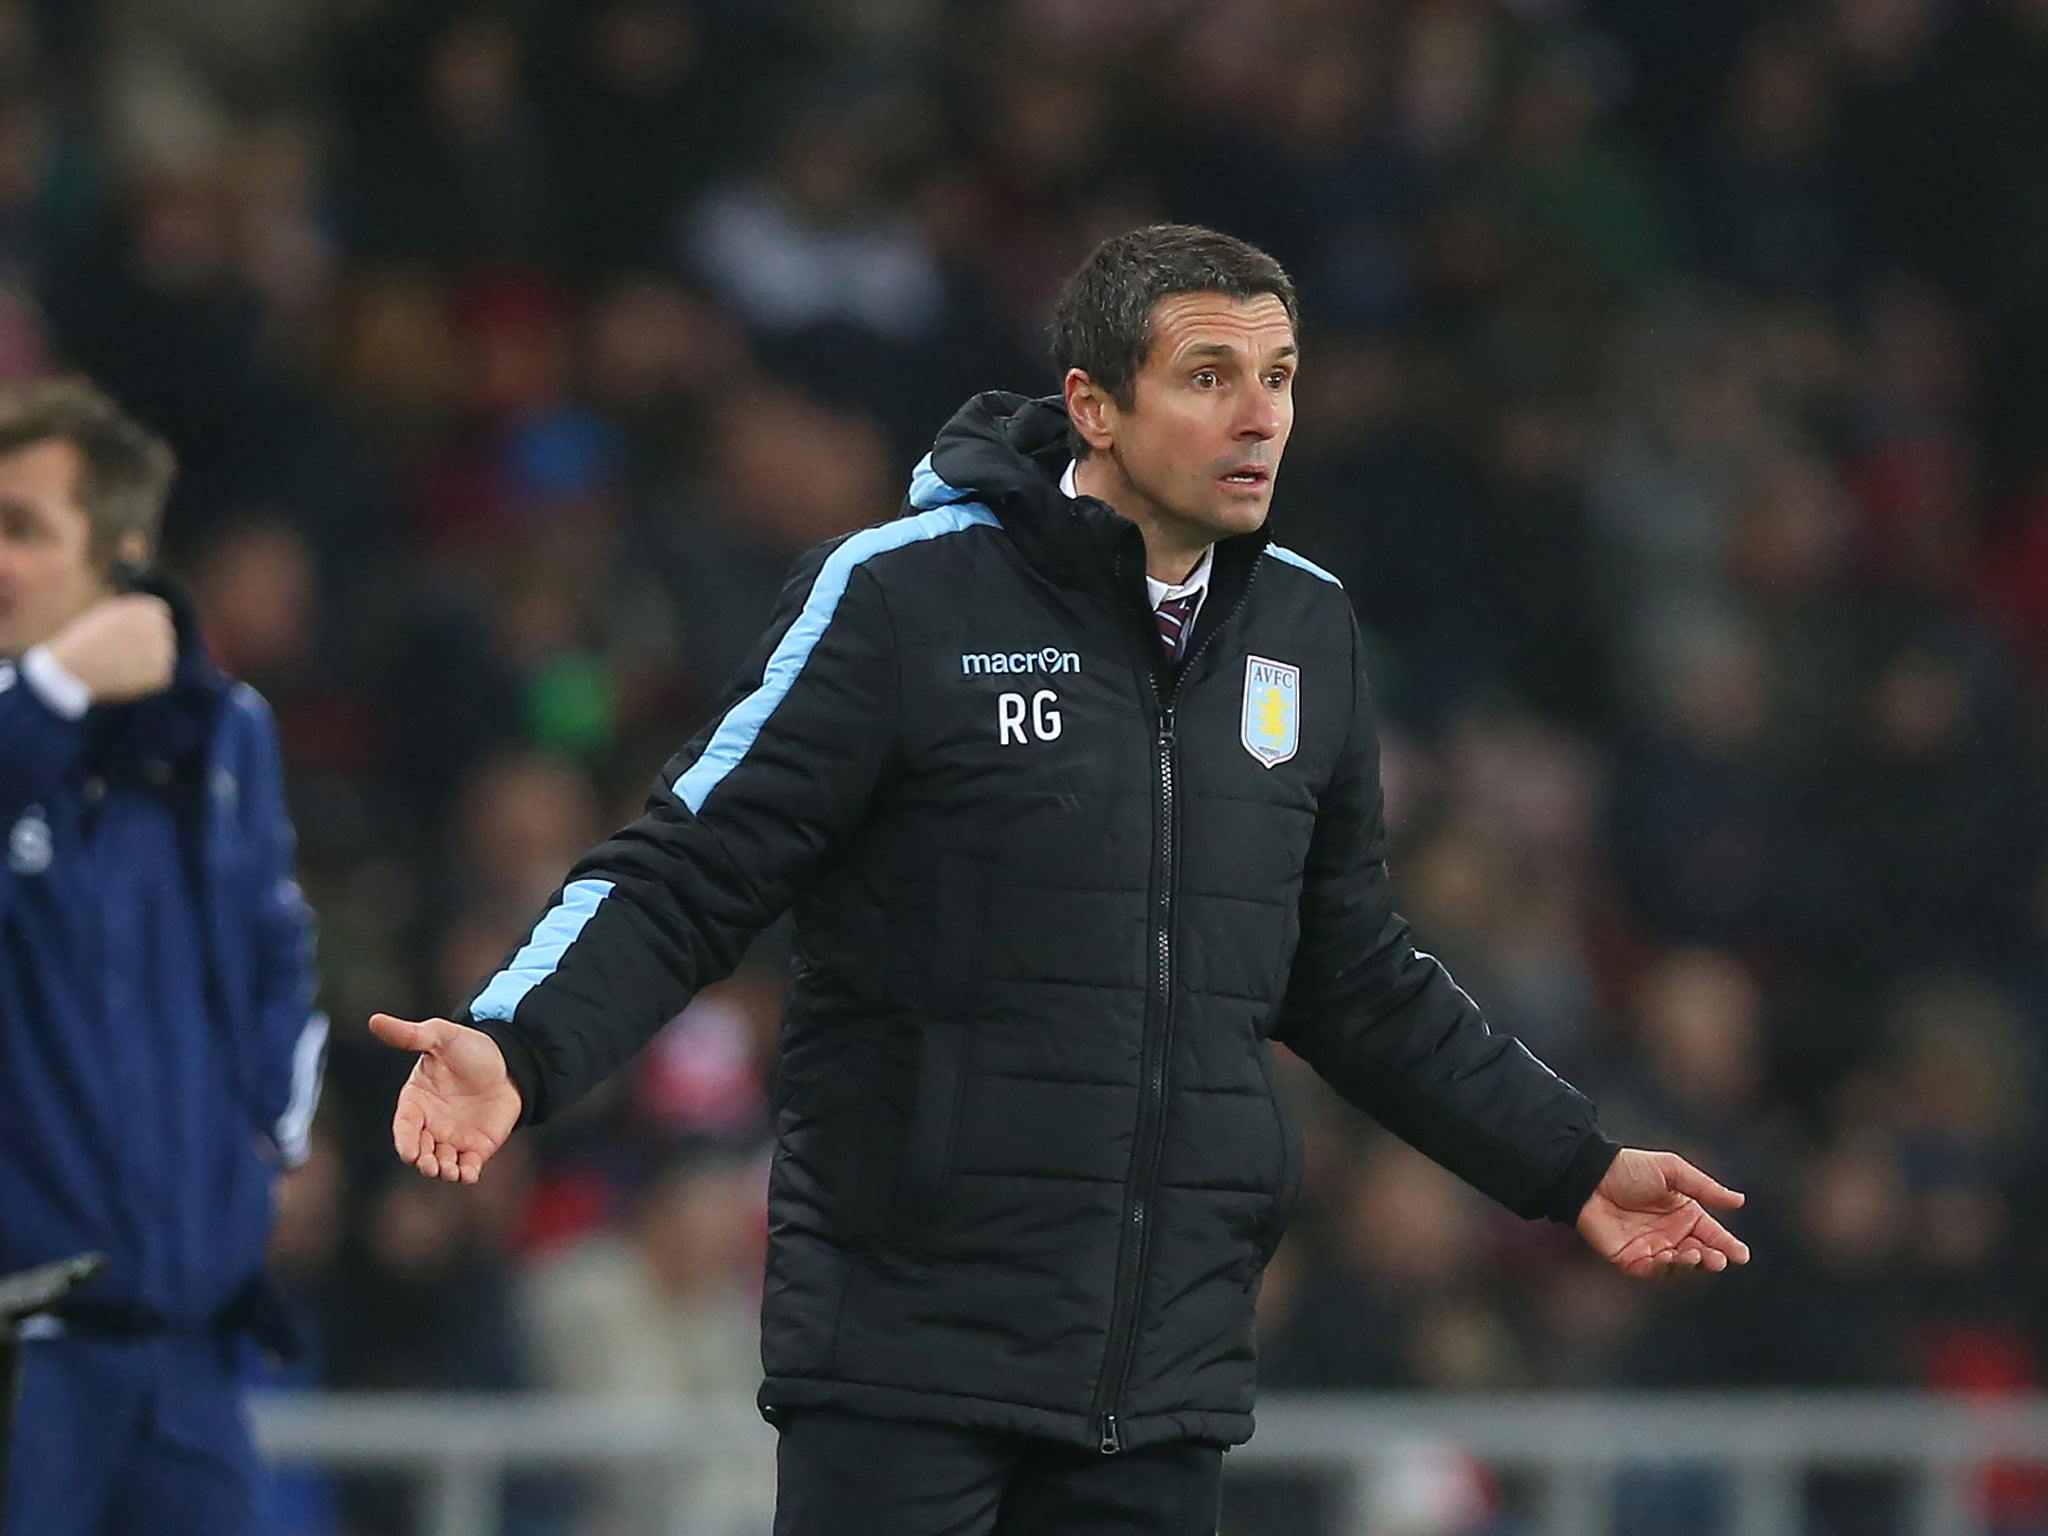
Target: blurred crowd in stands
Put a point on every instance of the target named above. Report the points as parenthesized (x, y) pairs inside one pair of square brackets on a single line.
[(1673, 403)]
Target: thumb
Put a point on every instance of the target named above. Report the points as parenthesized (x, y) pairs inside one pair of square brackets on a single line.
[(404, 1035), (1688, 1180)]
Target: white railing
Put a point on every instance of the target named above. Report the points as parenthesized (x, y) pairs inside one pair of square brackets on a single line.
[(459, 1448)]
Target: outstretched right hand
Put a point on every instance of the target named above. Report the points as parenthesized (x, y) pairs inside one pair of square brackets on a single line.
[(460, 1103)]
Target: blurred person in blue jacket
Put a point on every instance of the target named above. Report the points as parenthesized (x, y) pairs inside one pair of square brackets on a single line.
[(159, 1053)]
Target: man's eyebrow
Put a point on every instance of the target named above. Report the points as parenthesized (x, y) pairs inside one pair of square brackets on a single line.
[(1288, 353)]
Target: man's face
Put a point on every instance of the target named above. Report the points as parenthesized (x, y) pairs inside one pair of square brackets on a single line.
[(47, 574), (1212, 406)]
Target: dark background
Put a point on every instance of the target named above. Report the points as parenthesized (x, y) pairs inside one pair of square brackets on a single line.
[(1672, 407)]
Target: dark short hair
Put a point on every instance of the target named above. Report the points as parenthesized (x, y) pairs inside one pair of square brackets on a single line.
[(127, 469), (1103, 322)]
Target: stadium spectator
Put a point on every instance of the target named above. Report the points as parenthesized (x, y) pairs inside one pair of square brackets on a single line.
[(665, 1310)]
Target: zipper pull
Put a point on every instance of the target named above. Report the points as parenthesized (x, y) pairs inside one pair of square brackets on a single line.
[(1166, 725), (1112, 1437)]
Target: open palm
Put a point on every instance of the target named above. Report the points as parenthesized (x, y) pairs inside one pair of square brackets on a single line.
[(458, 1106), (1651, 1215)]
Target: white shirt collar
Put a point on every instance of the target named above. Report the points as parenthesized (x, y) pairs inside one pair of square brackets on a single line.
[(1197, 583), (1157, 592)]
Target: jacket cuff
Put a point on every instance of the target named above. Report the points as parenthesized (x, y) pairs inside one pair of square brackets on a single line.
[(1589, 1163), (55, 684), (521, 1064)]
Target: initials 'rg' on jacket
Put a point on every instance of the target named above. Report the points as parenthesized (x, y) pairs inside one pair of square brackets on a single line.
[(1053, 897)]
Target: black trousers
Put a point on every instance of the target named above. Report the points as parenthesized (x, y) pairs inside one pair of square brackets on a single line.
[(842, 1474)]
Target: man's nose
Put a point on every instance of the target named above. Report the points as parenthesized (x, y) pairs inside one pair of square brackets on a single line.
[(1258, 417)]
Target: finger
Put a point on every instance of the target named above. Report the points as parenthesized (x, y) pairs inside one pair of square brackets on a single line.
[(405, 1035), (1648, 1265), (1688, 1180), (425, 1161), (405, 1132), (451, 1169), (1636, 1253), (472, 1165), (1710, 1232), (400, 1034)]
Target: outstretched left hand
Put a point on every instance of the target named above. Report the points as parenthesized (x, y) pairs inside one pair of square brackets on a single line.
[(1649, 1217)]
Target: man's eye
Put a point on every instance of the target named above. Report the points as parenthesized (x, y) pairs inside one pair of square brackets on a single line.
[(1206, 379), (1279, 378)]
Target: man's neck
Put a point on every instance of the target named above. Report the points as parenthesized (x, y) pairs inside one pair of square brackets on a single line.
[(1171, 555)]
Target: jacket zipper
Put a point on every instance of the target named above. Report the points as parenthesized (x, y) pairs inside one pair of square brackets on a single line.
[(1123, 1331), (1122, 1352)]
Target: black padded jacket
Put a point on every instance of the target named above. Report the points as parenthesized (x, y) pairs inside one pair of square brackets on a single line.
[(1054, 897)]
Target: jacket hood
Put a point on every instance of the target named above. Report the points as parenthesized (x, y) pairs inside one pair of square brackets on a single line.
[(1003, 450), (1008, 452)]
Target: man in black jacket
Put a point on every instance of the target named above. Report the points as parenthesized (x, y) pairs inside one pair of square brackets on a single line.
[(1071, 776)]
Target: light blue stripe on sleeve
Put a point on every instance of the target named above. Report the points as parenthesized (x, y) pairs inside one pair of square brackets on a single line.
[(1300, 562), (542, 953), (742, 724)]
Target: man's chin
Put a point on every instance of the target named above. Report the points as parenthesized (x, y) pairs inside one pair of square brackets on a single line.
[(1240, 515)]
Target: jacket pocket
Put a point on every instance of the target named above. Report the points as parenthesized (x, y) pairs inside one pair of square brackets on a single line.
[(942, 1042), (934, 1117), (1287, 1183)]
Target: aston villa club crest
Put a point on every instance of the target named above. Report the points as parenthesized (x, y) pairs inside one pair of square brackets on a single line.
[(1271, 728)]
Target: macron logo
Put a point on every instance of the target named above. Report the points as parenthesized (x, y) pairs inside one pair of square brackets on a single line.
[(1051, 659)]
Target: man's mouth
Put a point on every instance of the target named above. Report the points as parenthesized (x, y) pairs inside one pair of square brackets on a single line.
[(1249, 476)]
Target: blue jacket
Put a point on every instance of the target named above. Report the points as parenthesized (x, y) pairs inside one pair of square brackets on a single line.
[(159, 1052)]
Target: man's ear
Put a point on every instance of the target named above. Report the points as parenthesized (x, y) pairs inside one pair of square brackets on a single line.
[(130, 561), (1091, 410)]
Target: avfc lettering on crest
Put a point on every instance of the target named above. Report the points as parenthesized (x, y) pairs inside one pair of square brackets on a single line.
[(1270, 727)]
